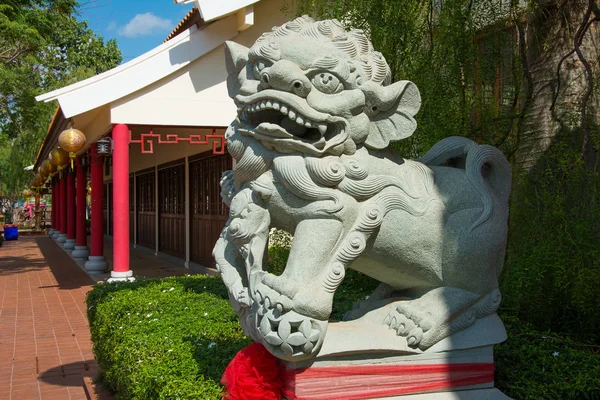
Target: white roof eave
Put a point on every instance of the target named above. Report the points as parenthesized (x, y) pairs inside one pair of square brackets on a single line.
[(211, 9), (144, 70)]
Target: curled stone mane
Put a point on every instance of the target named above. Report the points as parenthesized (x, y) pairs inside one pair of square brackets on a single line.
[(353, 43)]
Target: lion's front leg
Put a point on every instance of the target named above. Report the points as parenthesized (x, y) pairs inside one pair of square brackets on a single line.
[(314, 240)]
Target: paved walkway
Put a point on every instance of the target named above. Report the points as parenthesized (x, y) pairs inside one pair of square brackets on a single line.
[(44, 337), (45, 347)]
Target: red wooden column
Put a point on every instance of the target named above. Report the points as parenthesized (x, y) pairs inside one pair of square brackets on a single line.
[(120, 211), (81, 251), (53, 212), (62, 237), (56, 208), (71, 214), (96, 263)]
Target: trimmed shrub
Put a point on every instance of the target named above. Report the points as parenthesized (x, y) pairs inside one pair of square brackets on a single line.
[(164, 339)]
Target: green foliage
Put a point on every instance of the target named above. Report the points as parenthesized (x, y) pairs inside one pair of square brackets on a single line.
[(42, 47), (533, 365), (552, 272), (164, 339), (453, 51)]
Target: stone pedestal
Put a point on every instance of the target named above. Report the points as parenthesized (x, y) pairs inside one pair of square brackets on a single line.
[(69, 244), (116, 276), (369, 362), (62, 238), (80, 253), (96, 265), (50, 232)]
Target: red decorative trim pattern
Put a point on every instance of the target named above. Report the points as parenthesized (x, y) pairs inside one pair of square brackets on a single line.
[(365, 382), (218, 141)]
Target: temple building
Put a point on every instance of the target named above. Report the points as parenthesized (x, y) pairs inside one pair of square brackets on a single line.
[(154, 146)]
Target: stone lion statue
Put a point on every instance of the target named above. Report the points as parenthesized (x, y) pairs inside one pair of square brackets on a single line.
[(316, 113)]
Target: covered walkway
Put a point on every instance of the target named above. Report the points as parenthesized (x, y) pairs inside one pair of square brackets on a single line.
[(45, 347)]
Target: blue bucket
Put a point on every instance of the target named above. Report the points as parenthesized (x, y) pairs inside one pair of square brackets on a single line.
[(11, 232)]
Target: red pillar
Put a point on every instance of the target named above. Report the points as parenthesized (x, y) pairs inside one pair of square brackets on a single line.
[(58, 189), (81, 251), (62, 237), (120, 211), (70, 243), (53, 212), (96, 263)]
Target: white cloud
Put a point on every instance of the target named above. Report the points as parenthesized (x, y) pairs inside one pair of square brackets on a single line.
[(111, 26), (144, 25)]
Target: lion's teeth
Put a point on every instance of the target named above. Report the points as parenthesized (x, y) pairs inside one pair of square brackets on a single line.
[(322, 128), (284, 109), (276, 105), (292, 115), (269, 104), (308, 124), (263, 105), (299, 120)]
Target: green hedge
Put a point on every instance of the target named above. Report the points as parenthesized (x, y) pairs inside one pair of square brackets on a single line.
[(172, 339), (164, 339)]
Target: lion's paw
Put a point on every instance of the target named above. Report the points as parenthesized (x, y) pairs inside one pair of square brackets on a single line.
[(412, 324)]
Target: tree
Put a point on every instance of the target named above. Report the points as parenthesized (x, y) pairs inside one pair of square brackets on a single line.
[(42, 47)]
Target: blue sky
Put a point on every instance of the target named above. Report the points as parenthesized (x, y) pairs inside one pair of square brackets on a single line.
[(138, 25)]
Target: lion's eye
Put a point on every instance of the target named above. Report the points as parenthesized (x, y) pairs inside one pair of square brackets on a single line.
[(257, 68), (327, 83)]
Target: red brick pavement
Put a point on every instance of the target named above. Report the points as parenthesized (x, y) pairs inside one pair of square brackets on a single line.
[(45, 347)]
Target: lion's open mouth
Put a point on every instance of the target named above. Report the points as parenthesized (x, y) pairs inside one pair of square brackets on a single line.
[(278, 120)]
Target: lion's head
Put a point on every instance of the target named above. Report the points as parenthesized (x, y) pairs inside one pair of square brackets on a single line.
[(315, 88)]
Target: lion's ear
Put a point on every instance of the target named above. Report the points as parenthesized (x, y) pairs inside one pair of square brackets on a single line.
[(391, 109), (236, 57)]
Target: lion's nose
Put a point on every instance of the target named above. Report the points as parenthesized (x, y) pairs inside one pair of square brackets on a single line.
[(286, 76)]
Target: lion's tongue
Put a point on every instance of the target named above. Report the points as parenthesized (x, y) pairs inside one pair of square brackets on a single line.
[(287, 129)]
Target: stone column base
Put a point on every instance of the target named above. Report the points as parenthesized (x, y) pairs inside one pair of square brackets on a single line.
[(55, 235), (478, 394), (80, 253), (51, 232), (96, 265), (69, 244), (126, 276), (62, 238)]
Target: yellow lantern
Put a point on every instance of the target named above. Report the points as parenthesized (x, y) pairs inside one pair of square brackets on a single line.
[(37, 181), (26, 193), (71, 140), (43, 171), (59, 157), (51, 168)]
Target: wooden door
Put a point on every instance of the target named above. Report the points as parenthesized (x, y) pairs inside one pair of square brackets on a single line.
[(146, 209), (208, 214), (110, 208), (131, 208), (105, 214), (171, 217)]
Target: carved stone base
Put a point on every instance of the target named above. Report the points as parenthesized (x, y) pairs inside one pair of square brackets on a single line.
[(487, 394), (51, 232), (62, 238), (69, 244), (80, 253), (126, 276), (362, 361), (96, 265)]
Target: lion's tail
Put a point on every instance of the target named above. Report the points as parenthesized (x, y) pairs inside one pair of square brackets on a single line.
[(485, 167)]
